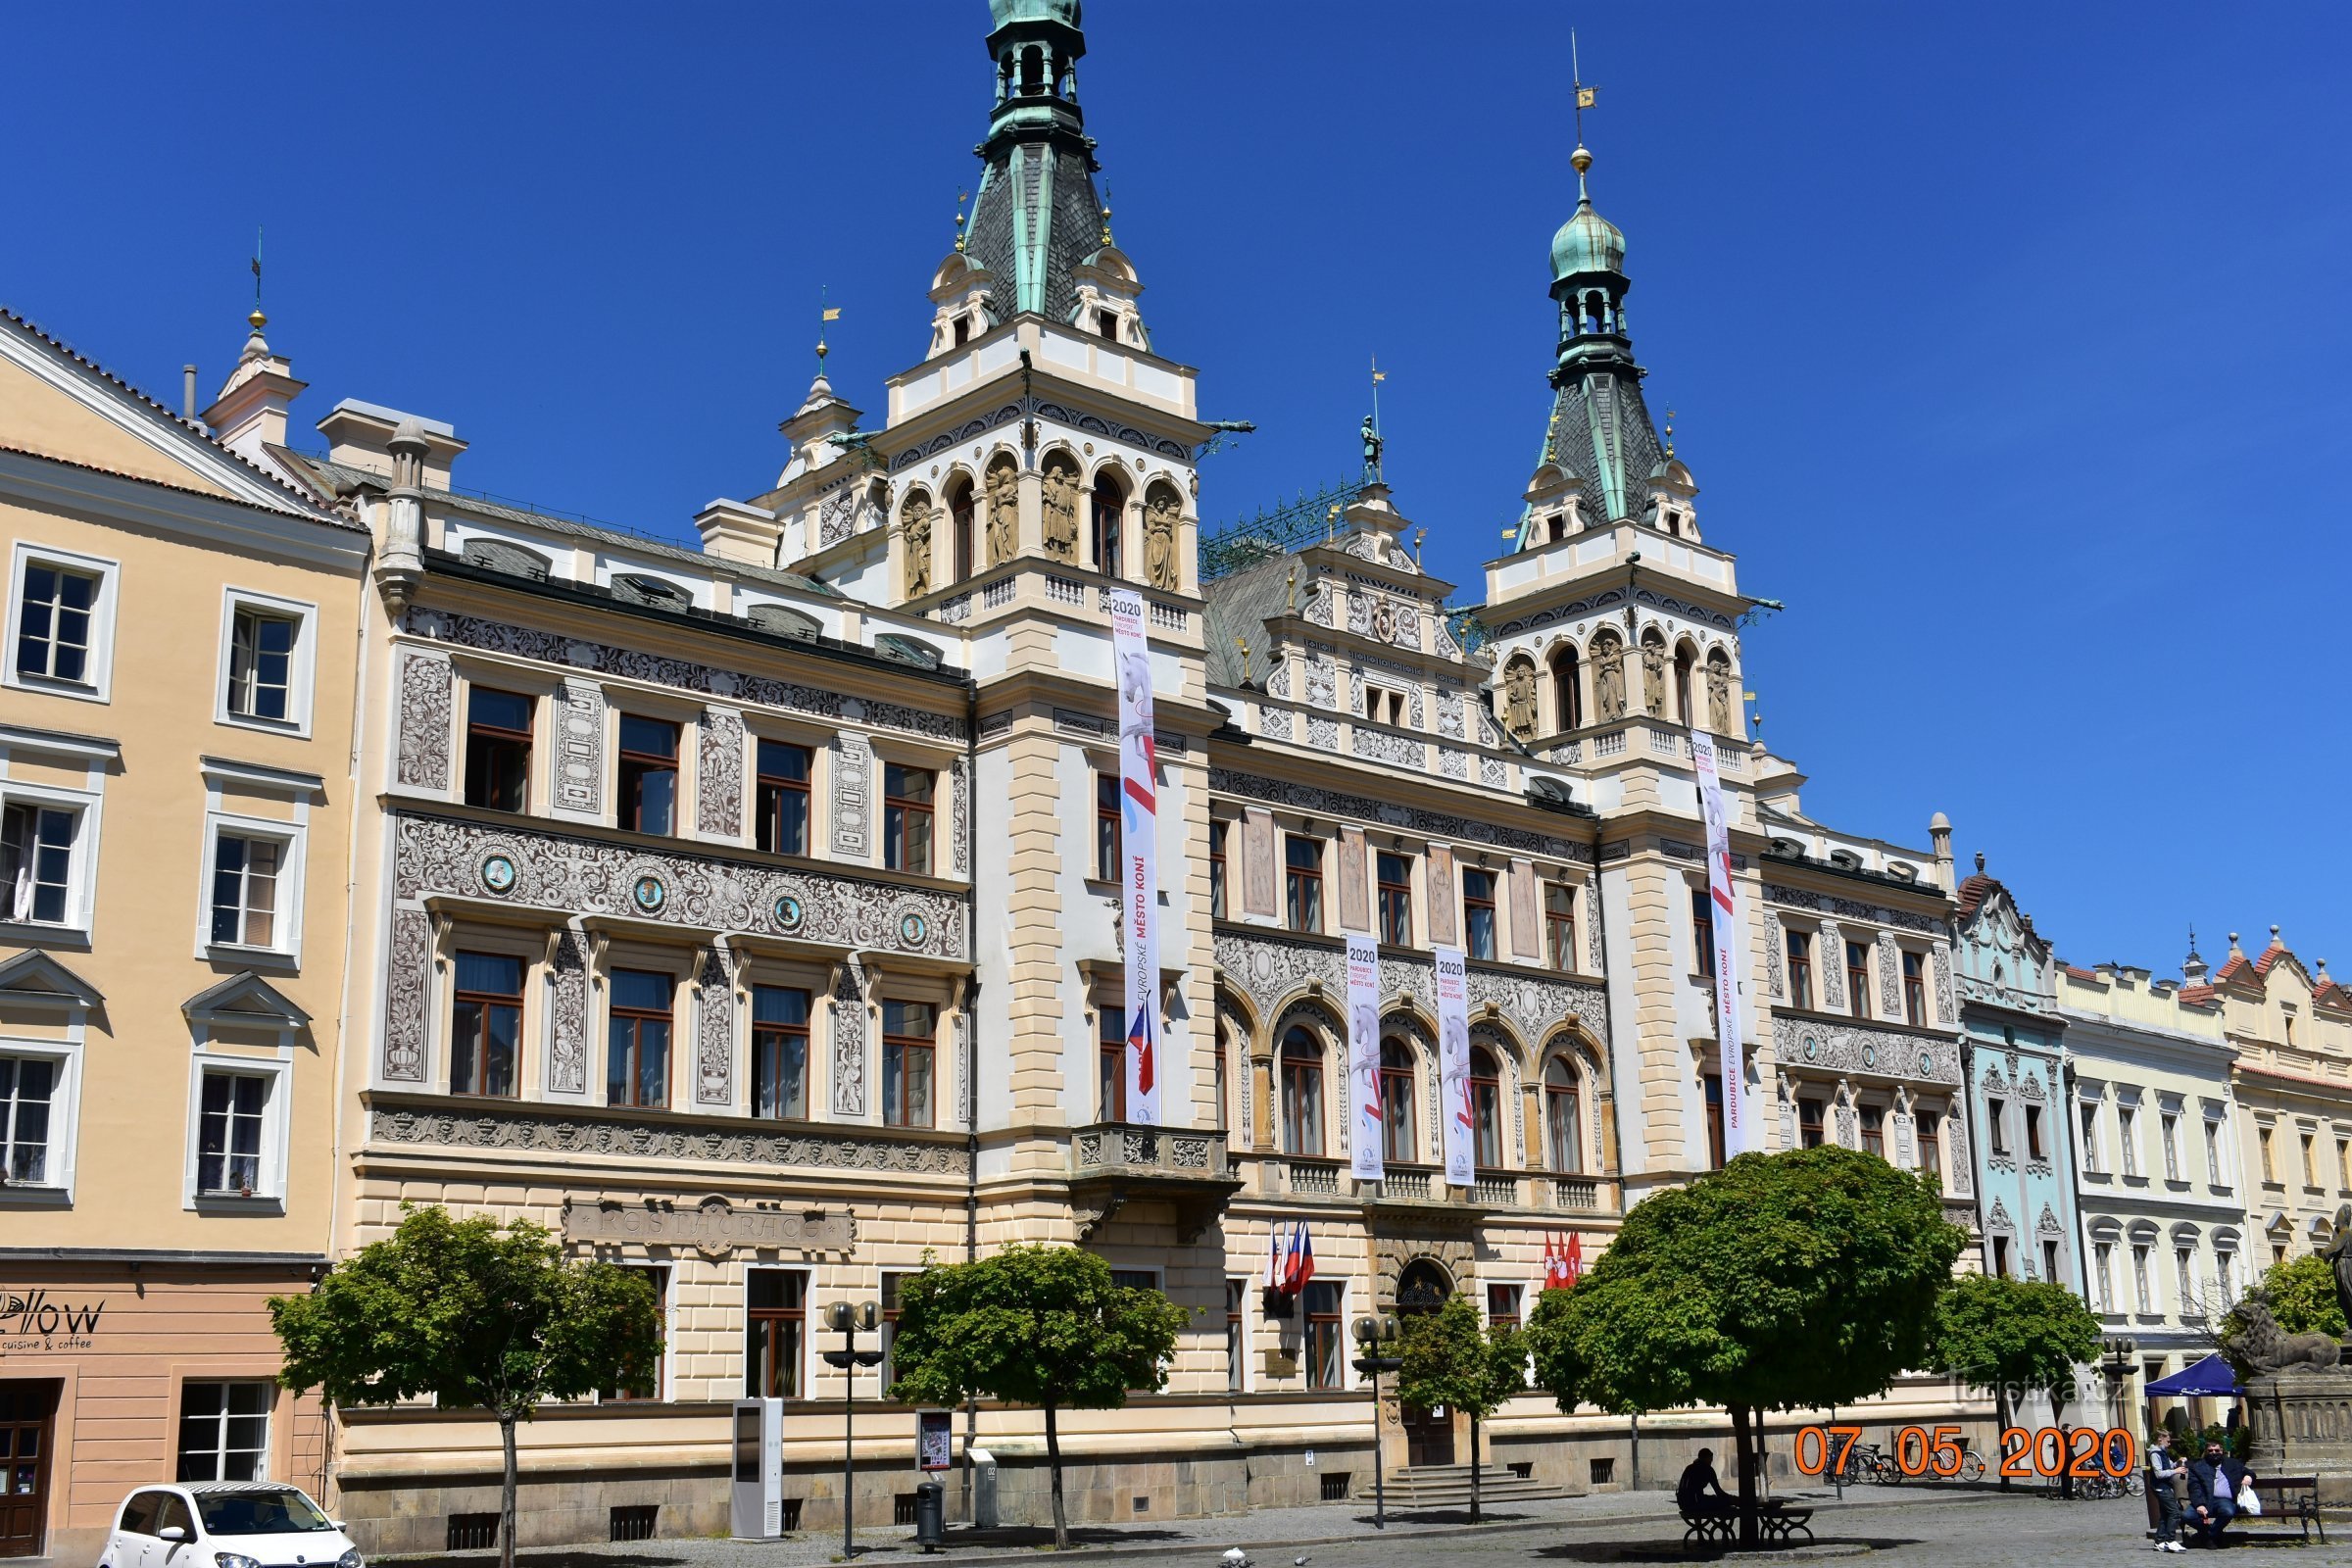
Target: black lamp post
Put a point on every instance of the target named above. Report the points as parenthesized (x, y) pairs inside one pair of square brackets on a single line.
[(1370, 1334), (845, 1320), (2122, 1353)]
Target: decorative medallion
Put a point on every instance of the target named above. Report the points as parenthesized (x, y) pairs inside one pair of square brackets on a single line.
[(1927, 1063), (498, 874), (649, 895), (788, 914), (912, 928), (1870, 1056), (1812, 1048)]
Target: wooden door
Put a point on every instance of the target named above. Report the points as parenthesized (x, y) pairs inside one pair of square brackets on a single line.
[(1428, 1438), (27, 1420)]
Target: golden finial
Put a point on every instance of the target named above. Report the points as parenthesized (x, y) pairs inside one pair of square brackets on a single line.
[(1551, 434), (824, 313), (1106, 214), (1419, 534), (1670, 432), (961, 198), (1243, 643), (1290, 601)]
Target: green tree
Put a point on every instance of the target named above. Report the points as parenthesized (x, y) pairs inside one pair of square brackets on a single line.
[(1785, 1281), (2014, 1335), (1451, 1359), (477, 1316), (1032, 1325), (2300, 1293)]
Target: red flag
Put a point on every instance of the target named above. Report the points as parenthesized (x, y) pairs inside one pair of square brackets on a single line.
[(1572, 1261), (1305, 1258)]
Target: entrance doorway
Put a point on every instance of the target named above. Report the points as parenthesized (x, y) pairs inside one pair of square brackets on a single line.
[(1421, 1288), (27, 1419)]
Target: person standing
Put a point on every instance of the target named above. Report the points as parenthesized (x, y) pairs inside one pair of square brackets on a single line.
[(2165, 1475)]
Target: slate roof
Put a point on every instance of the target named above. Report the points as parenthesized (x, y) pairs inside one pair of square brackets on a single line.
[(1238, 606), (1060, 226)]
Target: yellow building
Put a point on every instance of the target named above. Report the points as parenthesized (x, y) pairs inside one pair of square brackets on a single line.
[(174, 772)]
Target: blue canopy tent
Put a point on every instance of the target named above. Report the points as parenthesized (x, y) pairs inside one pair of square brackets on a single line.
[(2210, 1378)]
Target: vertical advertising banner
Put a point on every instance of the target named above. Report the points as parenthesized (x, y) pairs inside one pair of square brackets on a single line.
[(1454, 1067), (1365, 1146), (1138, 841), (1740, 1134)]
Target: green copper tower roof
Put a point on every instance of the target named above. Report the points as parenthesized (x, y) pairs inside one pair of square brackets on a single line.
[(1036, 216)]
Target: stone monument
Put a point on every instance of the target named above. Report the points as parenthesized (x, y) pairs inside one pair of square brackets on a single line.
[(2298, 1387)]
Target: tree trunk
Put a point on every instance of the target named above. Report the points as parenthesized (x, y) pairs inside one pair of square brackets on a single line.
[(1474, 1467), (2000, 1413), (506, 1496), (1743, 1442), (1061, 1523)]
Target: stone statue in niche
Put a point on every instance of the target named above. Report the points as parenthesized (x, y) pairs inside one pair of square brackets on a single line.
[(1003, 512), (1608, 678), (916, 527), (1653, 678), (1519, 698), (1061, 509), (1719, 698), (1161, 515), (2339, 1259)]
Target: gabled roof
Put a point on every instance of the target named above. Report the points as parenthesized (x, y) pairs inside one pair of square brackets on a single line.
[(244, 998), (37, 977)]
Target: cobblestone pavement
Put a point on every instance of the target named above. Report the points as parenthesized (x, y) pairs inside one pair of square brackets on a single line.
[(1950, 1529)]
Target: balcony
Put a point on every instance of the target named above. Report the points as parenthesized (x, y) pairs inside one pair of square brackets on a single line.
[(1114, 1163)]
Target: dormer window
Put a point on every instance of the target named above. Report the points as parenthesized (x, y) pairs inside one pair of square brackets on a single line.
[(964, 330), (1106, 322)]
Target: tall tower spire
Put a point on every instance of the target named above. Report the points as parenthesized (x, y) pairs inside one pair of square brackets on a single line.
[(1036, 216)]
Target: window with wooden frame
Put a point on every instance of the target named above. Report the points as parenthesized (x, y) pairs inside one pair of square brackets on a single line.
[(232, 1121), (1702, 930), (1396, 1100), (1237, 1294), (261, 664), (1809, 1131), (2033, 1133), (38, 845), (245, 908), (1711, 1086), (1108, 516), (959, 503), (1559, 925), (909, 1047), (1111, 1060), (485, 1033), (1874, 1131), (637, 1038), (1323, 1343), (780, 1053), (1108, 834), (1799, 953), (1996, 1124), (60, 623), (1478, 912), (656, 1279), (1563, 1118), (775, 1332), (1302, 882), (224, 1431), (1302, 1091), (781, 796), (1393, 875), (1915, 988), (1216, 869), (498, 749), (1486, 1107), (1503, 1306), (1857, 979), (647, 798), (1930, 1145), (907, 797)]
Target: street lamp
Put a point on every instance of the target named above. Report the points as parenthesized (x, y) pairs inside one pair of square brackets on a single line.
[(845, 1320), (2123, 1353), (1370, 1334)]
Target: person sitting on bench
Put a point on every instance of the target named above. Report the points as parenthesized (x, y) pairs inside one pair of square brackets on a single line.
[(2217, 1488), (1691, 1494)]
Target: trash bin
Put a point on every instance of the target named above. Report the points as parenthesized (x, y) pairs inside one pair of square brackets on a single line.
[(930, 1515)]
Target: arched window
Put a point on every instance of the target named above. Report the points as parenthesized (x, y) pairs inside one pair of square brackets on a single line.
[(1485, 1103), (1568, 699), (1396, 1100), (1686, 663), (1109, 518), (959, 526), (1563, 1121), (1302, 1091)]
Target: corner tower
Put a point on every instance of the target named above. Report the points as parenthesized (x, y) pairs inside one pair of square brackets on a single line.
[(1036, 216)]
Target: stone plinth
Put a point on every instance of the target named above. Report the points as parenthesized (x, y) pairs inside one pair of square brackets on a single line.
[(2302, 1424)]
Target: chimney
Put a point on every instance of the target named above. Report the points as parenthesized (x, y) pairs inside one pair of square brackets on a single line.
[(1939, 834), (187, 393)]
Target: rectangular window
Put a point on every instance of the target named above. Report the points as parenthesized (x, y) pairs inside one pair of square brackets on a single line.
[(2049, 1264), (775, 1327), (1712, 1088), (2127, 1138), (1874, 1131), (907, 794), (1930, 1145), (2343, 1161), (1808, 1123), (225, 1431), (1478, 912), (1302, 882), (1559, 925), (2311, 1165), (637, 1040), (782, 796), (1107, 827), (245, 876), (2000, 1258), (657, 1277), (1323, 1340), (2269, 1164), (1857, 979), (2103, 1258), (57, 623), (2167, 1128), (1111, 1060), (2185, 1280), (1502, 1305), (2091, 1135), (1393, 874), (1914, 990), (36, 861), (2139, 1279), (498, 749), (1800, 969), (1237, 1340), (2225, 1275), (233, 1114), (2213, 1154), (28, 1087), (486, 1035), (779, 1053), (1996, 1125), (1301, 1094), (261, 664), (892, 1293), (2033, 1133), (1216, 870), (1702, 931), (649, 775), (910, 1032)]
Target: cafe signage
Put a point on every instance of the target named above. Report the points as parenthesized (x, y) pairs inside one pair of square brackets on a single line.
[(35, 1320), (714, 1227)]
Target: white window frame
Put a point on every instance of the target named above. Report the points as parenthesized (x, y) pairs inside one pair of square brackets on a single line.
[(292, 839), (65, 1104), (813, 1323), (2143, 1293), (300, 669), (270, 1192), (667, 1268), (99, 688), (2103, 1254), (268, 1423), (86, 802)]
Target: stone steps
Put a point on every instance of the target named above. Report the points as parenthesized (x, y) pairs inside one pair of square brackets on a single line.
[(1447, 1486)]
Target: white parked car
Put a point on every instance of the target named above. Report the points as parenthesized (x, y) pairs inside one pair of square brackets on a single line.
[(226, 1524)]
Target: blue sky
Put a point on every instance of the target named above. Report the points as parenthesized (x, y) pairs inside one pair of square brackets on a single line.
[(2008, 341)]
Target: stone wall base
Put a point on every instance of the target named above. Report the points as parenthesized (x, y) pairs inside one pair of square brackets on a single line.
[(2302, 1424)]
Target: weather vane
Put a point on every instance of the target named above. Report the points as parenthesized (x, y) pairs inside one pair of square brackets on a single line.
[(824, 313), (257, 317), (1586, 96)]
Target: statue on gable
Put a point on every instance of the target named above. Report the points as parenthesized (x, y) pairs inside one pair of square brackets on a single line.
[(1372, 448)]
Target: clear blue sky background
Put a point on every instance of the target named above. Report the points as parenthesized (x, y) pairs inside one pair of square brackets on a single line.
[(2009, 340)]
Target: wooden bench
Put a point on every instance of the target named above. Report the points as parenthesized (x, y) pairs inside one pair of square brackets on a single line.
[(2287, 1501)]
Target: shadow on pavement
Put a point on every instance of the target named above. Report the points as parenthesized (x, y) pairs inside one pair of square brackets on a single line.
[(1693, 1551), (1443, 1516)]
